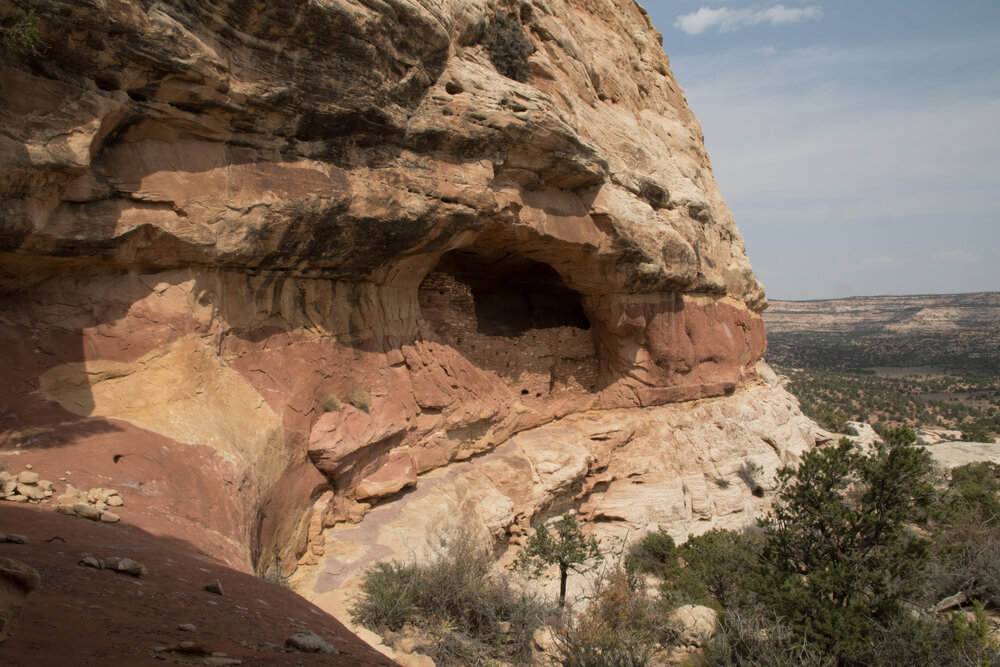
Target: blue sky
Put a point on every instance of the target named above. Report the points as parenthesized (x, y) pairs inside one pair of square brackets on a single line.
[(857, 142)]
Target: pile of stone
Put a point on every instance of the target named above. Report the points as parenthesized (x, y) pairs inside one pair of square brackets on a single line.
[(26, 486), (92, 504)]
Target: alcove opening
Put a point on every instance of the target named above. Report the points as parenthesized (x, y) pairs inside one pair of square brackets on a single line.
[(514, 316), (509, 294)]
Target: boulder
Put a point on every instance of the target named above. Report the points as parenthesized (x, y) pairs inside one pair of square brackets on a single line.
[(694, 623), (17, 580), (309, 642)]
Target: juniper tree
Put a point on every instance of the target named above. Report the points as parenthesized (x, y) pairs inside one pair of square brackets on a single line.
[(568, 548)]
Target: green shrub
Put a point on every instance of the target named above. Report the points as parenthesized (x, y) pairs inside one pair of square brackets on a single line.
[(567, 547), (974, 489), (751, 472), (468, 612), (19, 33), (834, 420), (896, 435), (974, 432), (724, 562), (754, 637), (508, 47), (841, 559), (950, 639), (654, 553), (331, 404), (966, 536), (360, 399), (389, 596), (721, 482)]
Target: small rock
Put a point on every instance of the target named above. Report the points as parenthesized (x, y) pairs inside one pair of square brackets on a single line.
[(87, 511), (125, 566), (17, 498), (544, 640), (30, 491), (66, 509), (110, 517), (214, 587), (27, 466), (186, 627), (191, 648), (72, 496), (90, 561), (13, 539), (28, 477), (414, 659), (309, 642), (116, 501), (45, 485)]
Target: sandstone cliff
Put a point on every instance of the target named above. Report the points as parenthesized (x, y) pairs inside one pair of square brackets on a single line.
[(219, 218)]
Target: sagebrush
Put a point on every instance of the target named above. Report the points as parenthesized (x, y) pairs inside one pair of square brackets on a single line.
[(508, 47), (467, 612)]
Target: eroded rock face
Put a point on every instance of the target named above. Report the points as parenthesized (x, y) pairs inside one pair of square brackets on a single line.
[(678, 467), (218, 216)]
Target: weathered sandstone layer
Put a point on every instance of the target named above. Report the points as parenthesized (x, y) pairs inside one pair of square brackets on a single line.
[(684, 467), (219, 218)]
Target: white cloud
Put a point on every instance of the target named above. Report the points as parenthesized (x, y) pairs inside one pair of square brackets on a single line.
[(954, 256), (726, 19), (769, 50)]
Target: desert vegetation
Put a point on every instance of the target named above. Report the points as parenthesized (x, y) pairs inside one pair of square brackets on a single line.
[(865, 558), (508, 47), (970, 404), (915, 381), (860, 562), (566, 547), (455, 608), (19, 32)]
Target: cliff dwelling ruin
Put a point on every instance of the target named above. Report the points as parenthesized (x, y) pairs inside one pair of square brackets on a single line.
[(514, 316)]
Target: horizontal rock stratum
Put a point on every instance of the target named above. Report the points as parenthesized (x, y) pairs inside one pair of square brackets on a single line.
[(267, 264)]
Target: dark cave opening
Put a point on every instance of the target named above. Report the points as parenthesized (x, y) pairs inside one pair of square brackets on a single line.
[(508, 294)]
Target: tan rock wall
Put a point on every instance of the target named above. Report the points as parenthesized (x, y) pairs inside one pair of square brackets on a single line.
[(216, 216), (626, 471)]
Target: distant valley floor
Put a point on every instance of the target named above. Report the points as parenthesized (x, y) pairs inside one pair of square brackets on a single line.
[(925, 362)]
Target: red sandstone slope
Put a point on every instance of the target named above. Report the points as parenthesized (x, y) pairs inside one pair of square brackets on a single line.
[(83, 616)]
